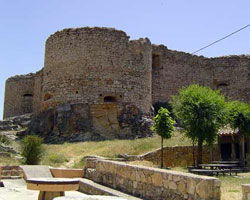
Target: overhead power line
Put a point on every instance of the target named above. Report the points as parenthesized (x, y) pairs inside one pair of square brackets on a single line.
[(222, 38)]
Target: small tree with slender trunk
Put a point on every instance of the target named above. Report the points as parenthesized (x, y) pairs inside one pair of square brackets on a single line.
[(239, 118), (201, 111), (163, 126)]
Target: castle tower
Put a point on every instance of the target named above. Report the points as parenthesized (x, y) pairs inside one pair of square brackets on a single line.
[(96, 66)]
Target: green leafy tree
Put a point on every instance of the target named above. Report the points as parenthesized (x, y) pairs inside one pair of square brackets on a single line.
[(163, 126), (32, 149), (239, 118), (201, 111)]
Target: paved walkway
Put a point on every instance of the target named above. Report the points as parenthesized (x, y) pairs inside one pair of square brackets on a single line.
[(16, 190)]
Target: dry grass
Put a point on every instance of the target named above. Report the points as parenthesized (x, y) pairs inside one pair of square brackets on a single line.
[(74, 152), (231, 186), (8, 161), (71, 155)]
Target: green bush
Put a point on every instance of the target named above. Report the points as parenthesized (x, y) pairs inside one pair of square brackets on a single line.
[(57, 159), (32, 149)]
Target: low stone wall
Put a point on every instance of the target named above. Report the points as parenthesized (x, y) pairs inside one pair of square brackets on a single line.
[(246, 192), (179, 156), (10, 172), (152, 183)]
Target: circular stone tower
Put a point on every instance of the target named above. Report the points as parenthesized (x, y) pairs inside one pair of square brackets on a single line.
[(96, 66)]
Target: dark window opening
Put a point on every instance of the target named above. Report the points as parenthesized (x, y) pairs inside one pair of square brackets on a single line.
[(28, 95), (222, 85), (155, 60), (100, 95), (109, 99), (27, 103), (226, 151), (77, 92)]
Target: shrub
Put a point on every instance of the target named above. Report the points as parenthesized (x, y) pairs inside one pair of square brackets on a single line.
[(57, 158), (32, 149)]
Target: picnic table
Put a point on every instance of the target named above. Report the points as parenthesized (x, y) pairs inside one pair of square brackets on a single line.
[(226, 162), (52, 187), (218, 168)]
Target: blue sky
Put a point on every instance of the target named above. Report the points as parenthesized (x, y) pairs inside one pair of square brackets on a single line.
[(179, 24)]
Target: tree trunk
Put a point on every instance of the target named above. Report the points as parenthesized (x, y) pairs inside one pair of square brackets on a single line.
[(193, 154), (199, 154), (161, 152)]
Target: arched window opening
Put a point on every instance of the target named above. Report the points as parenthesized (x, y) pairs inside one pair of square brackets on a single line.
[(109, 99), (47, 97), (222, 85), (27, 95)]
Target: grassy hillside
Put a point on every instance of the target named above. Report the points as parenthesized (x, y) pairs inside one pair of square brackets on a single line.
[(71, 154)]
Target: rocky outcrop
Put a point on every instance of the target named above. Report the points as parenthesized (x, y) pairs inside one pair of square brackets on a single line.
[(84, 122), (15, 123), (9, 129)]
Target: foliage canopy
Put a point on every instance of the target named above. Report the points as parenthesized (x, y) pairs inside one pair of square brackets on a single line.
[(201, 111), (239, 116), (163, 123)]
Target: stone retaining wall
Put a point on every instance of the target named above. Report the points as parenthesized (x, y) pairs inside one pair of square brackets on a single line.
[(180, 156), (10, 172), (152, 183)]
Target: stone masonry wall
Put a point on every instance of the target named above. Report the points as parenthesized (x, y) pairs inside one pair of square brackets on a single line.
[(19, 93), (152, 183), (177, 156), (87, 65), (173, 70), (22, 94)]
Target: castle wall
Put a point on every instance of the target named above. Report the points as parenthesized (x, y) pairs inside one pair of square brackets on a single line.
[(22, 94), (37, 98), (172, 70), (19, 92), (96, 65), (99, 66), (232, 76)]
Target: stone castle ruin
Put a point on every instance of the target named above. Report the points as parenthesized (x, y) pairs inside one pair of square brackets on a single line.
[(98, 84)]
